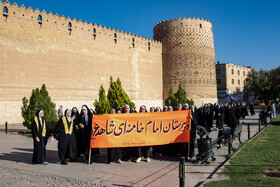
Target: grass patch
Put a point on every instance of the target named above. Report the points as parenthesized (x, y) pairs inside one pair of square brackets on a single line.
[(260, 155)]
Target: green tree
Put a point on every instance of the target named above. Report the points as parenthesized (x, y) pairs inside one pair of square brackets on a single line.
[(179, 97), (274, 78), (117, 96), (171, 99), (102, 106), (274, 90), (257, 82), (39, 99)]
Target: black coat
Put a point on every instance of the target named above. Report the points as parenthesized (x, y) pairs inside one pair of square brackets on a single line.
[(238, 113), (244, 112), (85, 133), (232, 120), (75, 117), (226, 114), (37, 150), (194, 120), (201, 117), (65, 141), (219, 118), (210, 116)]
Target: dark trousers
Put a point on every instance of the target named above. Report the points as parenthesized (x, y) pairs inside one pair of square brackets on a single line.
[(145, 151), (64, 153), (192, 143), (252, 112), (113, 154), (129, 153)]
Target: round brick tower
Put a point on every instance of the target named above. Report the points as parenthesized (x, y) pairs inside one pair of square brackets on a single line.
[(188, 57)]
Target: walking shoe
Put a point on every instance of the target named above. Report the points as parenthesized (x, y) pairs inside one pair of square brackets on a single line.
[(119, 161), (138, 159), (148, 160), (45, 163), (63, 163)]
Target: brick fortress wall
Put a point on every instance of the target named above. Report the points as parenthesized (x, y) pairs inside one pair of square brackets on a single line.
[(73, 58)]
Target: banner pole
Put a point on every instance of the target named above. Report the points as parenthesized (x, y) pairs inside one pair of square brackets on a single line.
[(89, 157), (189, 147), (91, 134)]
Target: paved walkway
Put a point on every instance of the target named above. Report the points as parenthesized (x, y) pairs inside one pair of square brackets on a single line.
[(16, 168)]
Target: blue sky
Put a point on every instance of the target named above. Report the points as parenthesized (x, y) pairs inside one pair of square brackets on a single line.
[(246, 32)]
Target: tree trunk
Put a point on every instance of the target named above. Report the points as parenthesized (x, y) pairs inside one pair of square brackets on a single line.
[(255, 97)]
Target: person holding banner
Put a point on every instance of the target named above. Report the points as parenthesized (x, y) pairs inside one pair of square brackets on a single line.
[(128, 152), (64, 132), (40, 134), (159, 150), (158, 109), (179, 107), (85, 121), (145, 151), (170, 108), (114, 154), (129, 131)]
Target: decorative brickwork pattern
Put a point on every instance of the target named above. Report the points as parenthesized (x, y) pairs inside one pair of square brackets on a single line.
[(188, 57)]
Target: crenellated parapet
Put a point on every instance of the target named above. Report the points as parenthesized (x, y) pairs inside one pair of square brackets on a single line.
[(183, 23), (75, 27), (194, 32)]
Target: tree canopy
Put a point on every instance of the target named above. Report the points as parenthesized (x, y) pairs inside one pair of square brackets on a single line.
[(179, 97), (264, 84), (102, 106), (39, 99), (116, 96)]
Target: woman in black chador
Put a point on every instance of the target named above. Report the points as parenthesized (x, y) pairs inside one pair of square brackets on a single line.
[(232, 120), (244, 111), (252, 110), (114, 154), (193, 130), (85, 122), (40, 134), (75, 116), (219, 124), (65, 134)]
